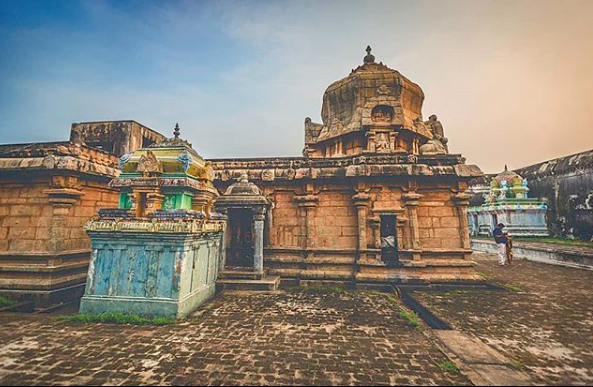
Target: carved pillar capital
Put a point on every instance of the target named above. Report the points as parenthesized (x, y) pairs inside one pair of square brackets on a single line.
[(462, 199), (307, 200), (411, 198), (361, 199)]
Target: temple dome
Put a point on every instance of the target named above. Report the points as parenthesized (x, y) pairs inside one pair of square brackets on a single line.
[(511, 177), (242, 192), (344, 100), (243, 187)]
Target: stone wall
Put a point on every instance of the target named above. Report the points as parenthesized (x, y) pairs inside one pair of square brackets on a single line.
[(47, 193), (567, 185), (326, 216)]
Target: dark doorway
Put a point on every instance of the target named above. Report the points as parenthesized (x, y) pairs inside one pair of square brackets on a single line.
[(389, 243), (240, 250)]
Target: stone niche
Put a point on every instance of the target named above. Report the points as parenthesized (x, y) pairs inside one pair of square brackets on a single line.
[(159, 252)]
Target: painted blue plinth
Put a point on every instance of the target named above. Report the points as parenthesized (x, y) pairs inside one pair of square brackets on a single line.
[(155, 274)]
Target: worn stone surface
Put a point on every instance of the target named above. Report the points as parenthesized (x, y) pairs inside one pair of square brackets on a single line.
[(263, 339), (545, 324)]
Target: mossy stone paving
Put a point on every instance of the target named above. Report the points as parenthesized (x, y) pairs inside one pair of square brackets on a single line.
[(284, 338), (543, 320)]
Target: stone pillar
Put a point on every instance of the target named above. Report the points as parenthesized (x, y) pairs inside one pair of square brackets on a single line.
[(461, 201), (411, 201), (361, 202), (154, 201), (258, 236), (308, 203), (375, 222)]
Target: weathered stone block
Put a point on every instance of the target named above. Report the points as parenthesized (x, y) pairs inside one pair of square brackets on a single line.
[(441, 211), (19, 210), (446, 232)]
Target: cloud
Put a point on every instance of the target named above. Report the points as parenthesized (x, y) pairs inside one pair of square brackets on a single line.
[(509, 80)]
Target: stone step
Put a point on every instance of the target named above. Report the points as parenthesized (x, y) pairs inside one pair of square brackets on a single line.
[(266, 284), (240, 274)]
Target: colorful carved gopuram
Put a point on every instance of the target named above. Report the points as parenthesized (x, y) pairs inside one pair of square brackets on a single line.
[(159, 252), (508, 202)]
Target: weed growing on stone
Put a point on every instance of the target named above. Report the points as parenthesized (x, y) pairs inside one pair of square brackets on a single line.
[(516, 365), (118, 318), (5, 301), (448, 366), (411, 317), (456, 292), (484, 275), (511, 287), (316, 289)]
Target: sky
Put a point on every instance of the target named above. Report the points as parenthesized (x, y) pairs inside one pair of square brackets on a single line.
[(510, 80)]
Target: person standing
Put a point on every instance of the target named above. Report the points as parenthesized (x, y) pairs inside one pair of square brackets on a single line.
[(501, 239)]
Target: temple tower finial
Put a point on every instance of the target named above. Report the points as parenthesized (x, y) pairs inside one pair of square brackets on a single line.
[(176, 132), (369, 58)]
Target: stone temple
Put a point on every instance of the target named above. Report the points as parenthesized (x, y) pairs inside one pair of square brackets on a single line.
[(375, 198)]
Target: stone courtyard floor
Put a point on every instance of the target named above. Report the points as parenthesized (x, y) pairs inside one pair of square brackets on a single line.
[(543, 321), (269, 339)]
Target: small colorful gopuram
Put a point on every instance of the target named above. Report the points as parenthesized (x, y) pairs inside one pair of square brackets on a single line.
[(508, 202), (159, 252)]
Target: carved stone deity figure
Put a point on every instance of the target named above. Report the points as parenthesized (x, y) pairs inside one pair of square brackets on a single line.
[(149, 165), (436, 127), (438, 144), (382, 143)]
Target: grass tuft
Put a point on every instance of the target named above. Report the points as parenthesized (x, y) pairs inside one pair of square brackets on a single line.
[(5, 301), (412, 318), (448, 366), (484, 275), (511, 287), (316, 289), (457, 292), (118, 318), (516, 365)]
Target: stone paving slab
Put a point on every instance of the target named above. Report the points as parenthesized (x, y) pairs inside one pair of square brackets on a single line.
[(543, 322), (484, 365), (251, 339)]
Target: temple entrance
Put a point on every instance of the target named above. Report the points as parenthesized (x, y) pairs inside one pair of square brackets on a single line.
[(240, 249), (389, 245)]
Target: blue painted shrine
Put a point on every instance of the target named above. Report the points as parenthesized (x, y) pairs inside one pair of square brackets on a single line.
[(159, 253)]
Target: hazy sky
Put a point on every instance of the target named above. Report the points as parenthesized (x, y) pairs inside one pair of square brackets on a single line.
[(511, 81)]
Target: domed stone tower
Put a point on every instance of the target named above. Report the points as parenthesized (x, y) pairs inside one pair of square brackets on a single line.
[(375, 109), (376, 196)]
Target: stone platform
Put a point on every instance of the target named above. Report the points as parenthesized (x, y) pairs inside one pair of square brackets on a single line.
[(570, 256), (246, 280)]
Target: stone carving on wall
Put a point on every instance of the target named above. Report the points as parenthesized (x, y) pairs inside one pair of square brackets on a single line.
[(382, 143), (267, 175), (436, 128), (438, 144), (149, 165), (381, 116), (383, 90)]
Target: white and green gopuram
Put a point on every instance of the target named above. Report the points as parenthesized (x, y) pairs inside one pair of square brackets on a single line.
[(159, 253), (508, 202)]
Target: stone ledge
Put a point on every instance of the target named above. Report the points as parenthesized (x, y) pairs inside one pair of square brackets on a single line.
[(550, 254)]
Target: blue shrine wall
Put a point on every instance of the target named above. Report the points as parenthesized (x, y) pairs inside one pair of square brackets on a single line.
[(152, 274)]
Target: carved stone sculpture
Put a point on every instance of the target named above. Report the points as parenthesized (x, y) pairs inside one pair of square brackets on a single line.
[(149, 165)]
